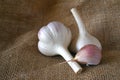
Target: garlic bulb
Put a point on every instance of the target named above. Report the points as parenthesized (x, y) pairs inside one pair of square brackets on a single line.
[(54, 40), (88, 47)]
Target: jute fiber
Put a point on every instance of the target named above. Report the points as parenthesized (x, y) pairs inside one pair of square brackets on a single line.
[(20, 21)]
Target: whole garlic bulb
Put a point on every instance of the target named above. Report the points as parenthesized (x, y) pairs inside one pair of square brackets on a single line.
[(54, 40), (54, 32)]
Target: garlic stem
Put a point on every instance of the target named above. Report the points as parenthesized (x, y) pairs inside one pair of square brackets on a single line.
[(67, 56), (84, 37), (79, 22)]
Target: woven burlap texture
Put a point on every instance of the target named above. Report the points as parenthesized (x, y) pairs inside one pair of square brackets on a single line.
[(20, 21)]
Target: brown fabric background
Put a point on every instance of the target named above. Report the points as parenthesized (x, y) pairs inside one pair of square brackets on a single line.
[(20, 21)]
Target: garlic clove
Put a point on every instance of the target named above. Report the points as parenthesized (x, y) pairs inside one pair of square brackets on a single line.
[(88, 47), (89, 55), (84, 37), (54, 40)]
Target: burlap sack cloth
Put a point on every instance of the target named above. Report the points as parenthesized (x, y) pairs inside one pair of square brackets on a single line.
[(20, 21)]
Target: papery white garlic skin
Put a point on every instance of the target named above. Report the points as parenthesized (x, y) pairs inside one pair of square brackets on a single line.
[(84, 37), (54, 40), (54, 32)]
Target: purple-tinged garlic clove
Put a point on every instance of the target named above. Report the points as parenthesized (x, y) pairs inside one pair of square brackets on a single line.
[(89, 55)]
